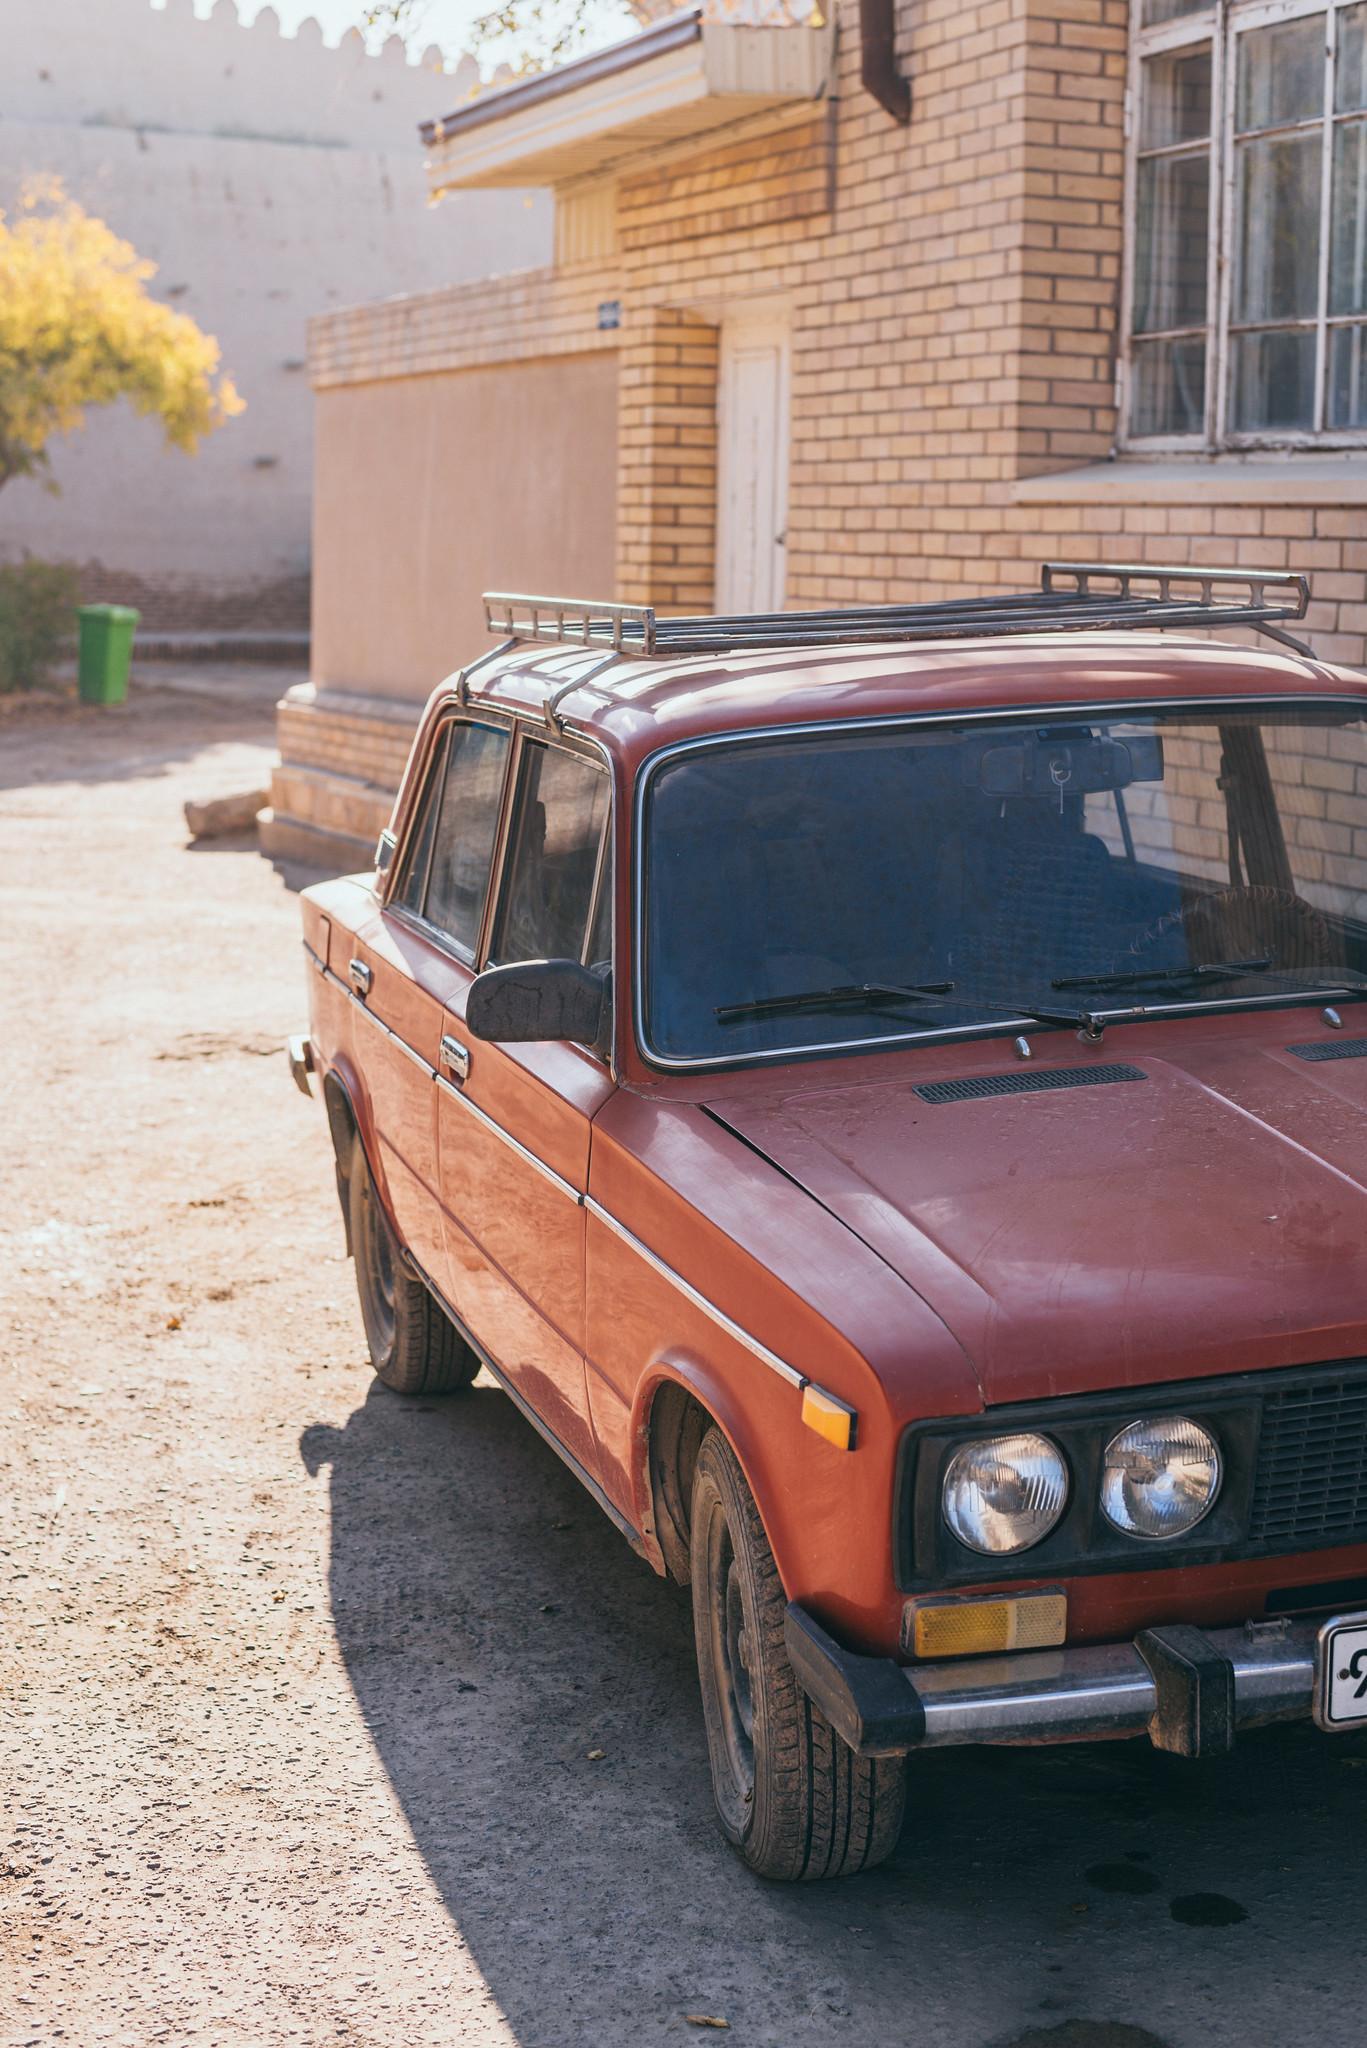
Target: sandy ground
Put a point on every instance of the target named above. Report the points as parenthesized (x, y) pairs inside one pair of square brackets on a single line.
[(300, 1682)]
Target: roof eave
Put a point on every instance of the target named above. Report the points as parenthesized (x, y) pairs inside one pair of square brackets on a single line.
[(681, 78)]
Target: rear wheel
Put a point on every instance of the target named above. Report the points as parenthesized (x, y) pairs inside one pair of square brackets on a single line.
[(415, 1348), (791, 1796)]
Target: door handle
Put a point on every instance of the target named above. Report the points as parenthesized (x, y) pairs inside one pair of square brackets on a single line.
[(361, 977), (455, 1058)]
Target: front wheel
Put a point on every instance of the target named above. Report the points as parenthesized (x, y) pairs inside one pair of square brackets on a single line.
[(415, 1348), (791, 1796)]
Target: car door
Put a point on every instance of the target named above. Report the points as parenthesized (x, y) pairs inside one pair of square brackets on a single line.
[(416, 952), (513, 1121)]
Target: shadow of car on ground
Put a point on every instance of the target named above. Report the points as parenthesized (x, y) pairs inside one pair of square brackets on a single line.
[(497, 1632)]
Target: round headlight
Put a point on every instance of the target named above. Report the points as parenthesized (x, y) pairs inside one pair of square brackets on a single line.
[(1160, 1477), (1005, 1493)]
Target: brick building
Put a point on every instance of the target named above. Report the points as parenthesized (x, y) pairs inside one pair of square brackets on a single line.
[(1101, 293)]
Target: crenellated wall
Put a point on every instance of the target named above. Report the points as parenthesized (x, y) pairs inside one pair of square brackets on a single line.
[(271, 178)]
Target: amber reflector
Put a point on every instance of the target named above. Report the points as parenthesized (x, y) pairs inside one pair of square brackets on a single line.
[(828, 1417), (972, 1628)]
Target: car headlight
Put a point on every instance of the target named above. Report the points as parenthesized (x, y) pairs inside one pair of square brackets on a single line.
[(1159, 1477), (1005, 1493)]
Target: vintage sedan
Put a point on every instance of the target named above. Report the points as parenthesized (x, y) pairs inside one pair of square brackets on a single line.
[(879, 1091)]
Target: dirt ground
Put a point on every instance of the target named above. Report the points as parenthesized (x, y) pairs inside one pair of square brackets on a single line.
[(301, 1683)]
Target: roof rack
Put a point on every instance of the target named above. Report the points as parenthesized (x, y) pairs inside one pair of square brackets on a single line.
[(1073, 597)]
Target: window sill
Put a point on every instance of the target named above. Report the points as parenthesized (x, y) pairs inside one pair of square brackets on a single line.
[(1211, 480)]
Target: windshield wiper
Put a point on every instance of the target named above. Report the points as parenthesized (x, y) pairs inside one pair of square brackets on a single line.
[(862, 992), (871, 993), (1140, 977)]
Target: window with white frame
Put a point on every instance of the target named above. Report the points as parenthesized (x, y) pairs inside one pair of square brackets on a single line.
[(1246, 301)]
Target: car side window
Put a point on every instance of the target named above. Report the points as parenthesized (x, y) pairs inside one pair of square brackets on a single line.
[(466, 830), (411, 880), (553, 856)]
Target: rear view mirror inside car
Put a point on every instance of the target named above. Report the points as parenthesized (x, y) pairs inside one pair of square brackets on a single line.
[(1038, 765)]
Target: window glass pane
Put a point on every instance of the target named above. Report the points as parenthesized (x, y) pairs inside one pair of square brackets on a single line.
[(1347, 377), (1171, 10), (548, 879), (1273, 380), (1176, 98), (998, 859), (1348, 232), (1281, 73), (1168, 386), (465, 835), (409, 883), (1170, 254), (1350, 90), (1277, 239)]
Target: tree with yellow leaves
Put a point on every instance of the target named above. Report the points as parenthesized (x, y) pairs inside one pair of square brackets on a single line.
[(78, 328)]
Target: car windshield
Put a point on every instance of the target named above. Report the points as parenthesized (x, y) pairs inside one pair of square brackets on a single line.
[(794, 884)]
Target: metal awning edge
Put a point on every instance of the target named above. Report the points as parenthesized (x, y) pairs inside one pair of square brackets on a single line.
[(673, 34)]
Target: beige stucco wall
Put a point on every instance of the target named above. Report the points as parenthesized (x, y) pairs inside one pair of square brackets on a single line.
[(430, 490), (270, 178)]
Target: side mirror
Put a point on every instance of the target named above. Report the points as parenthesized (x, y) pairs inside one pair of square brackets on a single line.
[(535, 999), (384, 851)]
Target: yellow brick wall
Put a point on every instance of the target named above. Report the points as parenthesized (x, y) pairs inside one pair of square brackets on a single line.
[(667, 461)]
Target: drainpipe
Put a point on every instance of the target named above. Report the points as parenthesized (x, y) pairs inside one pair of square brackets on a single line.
[(878, 60)]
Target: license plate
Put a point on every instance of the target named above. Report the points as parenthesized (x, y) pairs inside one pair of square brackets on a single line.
[(1341, 1673)]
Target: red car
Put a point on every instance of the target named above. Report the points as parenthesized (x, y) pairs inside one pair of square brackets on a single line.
[(879, 1090)]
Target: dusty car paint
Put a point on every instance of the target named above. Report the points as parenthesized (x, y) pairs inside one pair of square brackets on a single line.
[(740, 1232)]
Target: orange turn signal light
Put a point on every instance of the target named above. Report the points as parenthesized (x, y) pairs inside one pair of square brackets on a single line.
[(976, 1628), (828, 1417)]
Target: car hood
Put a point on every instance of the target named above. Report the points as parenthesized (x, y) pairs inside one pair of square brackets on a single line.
[(1210, 1216)]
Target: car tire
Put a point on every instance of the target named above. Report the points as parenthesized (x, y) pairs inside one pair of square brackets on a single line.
[(415, 1348), (791, 1796)]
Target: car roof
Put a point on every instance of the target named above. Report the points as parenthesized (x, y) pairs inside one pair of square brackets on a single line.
[(635, 706)]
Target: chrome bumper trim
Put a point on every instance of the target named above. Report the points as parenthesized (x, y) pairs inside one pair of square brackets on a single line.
[(299, 1051), (1071, 1695)]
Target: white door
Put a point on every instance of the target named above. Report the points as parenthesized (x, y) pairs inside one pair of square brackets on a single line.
[(752, 473)]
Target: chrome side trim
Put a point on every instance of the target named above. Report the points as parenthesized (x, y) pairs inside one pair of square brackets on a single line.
[(699, 1301), (406, 1049), (547, 1172)]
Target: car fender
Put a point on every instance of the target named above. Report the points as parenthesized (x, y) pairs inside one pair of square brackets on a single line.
[(710, 1388), (343, 1076)]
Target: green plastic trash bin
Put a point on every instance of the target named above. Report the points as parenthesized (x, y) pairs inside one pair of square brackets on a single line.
[(106, 650)]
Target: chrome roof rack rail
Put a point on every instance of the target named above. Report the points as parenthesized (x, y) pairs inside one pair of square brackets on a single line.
[(1073, 597), (571, 622)]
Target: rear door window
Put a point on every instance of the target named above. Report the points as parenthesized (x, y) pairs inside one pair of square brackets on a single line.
[(462, 851), (551, 875)]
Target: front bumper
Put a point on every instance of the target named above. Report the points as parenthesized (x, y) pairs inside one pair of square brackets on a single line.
[(1188, 1690)]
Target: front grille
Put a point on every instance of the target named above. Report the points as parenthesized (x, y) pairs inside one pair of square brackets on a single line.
[(1310, 1485), (1040, 1079)]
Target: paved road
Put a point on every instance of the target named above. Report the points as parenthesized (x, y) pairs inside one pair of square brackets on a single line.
[(300, 1682)]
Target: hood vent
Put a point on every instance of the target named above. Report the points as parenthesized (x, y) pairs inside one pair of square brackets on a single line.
[(1331, 1049), (1043, 1080)]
